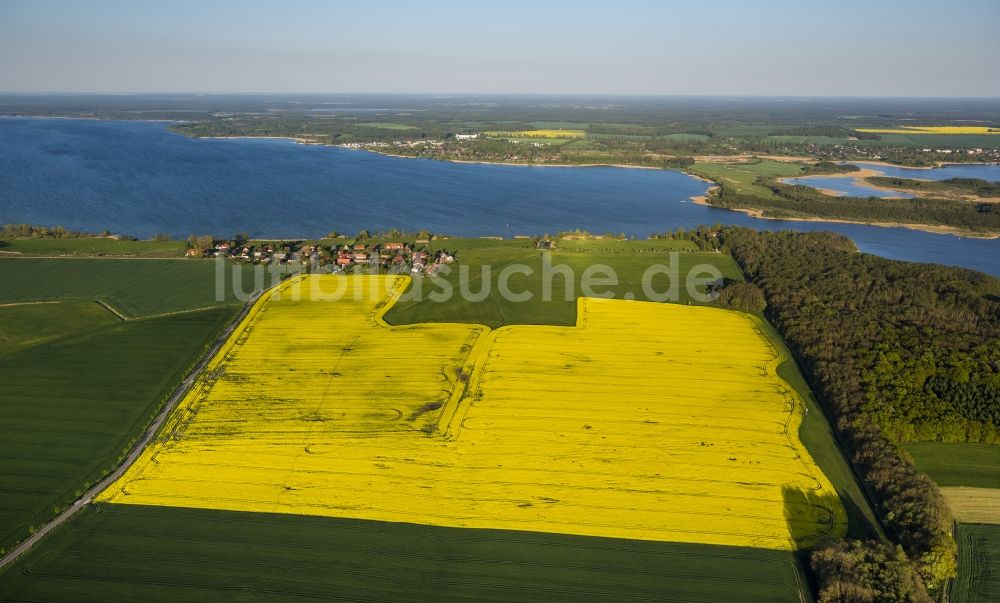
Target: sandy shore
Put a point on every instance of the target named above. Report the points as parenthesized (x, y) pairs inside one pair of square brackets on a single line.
[(703, 199), (857, 178)]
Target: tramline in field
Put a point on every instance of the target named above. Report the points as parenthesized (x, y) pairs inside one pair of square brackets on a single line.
[(645, 421)]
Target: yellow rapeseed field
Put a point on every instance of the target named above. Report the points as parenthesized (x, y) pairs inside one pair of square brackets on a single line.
[(933, 130), (648, 421)]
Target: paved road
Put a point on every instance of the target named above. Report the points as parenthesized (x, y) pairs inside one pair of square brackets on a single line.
[(147, 437)]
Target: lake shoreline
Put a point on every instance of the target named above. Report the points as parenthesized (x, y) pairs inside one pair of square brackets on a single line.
[(937, 164), (857, 179), (939, 230)]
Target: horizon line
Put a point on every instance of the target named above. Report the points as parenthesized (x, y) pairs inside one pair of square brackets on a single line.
[(489, 94)]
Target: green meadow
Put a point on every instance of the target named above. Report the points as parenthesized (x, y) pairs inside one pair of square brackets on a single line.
[(129, 553)]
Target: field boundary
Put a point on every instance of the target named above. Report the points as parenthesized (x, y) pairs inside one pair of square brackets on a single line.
[(147, 436)]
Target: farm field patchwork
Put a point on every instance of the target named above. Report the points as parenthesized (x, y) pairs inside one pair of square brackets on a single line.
[(969, 477), (134, 287), (646, 421), (70, 406)]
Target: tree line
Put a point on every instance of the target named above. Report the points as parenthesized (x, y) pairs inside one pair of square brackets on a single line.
[(970, 186), (896, 351), (32, 231)]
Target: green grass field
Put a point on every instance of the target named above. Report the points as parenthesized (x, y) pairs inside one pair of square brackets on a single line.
[(495, 309), (133, 287), (70, 407), (129, 553), (28, 325), (92, 247), (978, 578), (958, 464), (619, 246), (818, 436), (79, 382), (742, 176)]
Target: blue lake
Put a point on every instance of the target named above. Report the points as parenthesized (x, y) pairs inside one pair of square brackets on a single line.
[(138, 178), (983, 171), (846, 184)]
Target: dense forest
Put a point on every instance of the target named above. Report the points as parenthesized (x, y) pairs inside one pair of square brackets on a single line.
[(897, 352), (916, 345), (866, 572)]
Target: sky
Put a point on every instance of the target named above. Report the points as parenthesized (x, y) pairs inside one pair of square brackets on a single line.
[(708, 47)]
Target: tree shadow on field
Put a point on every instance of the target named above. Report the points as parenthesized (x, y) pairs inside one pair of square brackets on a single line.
[(810, 515), (811, 519)]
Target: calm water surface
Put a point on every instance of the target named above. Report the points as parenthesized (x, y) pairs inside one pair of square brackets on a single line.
[(849, 185), (845, 186), (138, 178)]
